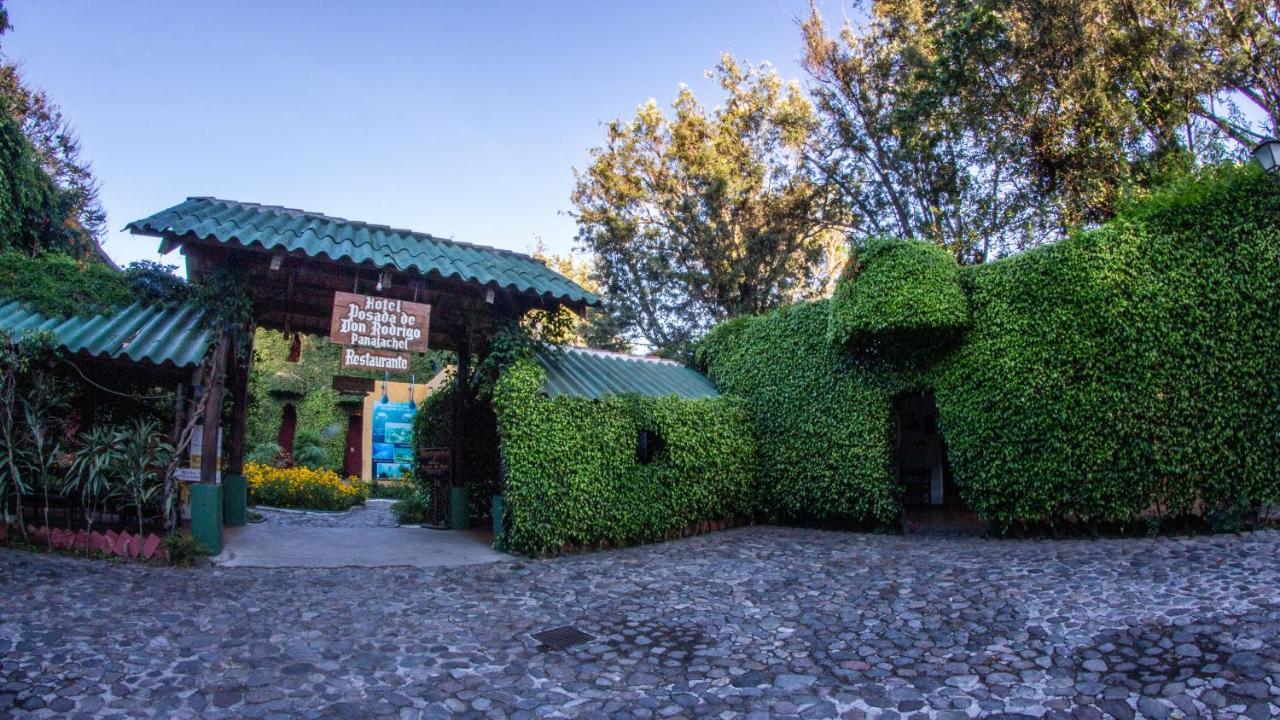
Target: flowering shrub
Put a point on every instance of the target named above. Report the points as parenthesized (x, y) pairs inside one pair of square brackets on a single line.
[(301, 487)]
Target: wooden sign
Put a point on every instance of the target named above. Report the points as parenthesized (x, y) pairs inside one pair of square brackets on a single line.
[(378, 326), (359, 359)]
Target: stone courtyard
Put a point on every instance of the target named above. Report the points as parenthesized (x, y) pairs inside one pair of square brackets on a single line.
[(754, 622)]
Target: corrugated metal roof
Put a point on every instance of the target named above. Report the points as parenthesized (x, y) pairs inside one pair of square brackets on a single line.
[(313, 234), (176, 336), (596, 373)]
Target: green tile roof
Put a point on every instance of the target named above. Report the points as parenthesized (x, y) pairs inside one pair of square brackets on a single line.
[(595, 374), (314, 234), (176, 336)]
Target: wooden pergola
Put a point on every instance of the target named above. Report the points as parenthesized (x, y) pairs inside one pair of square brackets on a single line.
[(293, 262)]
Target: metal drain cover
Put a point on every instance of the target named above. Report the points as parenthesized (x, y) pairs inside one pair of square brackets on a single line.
[(561, 637)]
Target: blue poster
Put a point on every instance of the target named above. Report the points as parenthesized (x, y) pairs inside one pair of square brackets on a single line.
[(393, 440)]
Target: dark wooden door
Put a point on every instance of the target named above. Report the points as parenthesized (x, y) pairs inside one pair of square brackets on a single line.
[(353, 457)]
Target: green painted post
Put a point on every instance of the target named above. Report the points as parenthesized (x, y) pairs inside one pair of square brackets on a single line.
[(499, 509), (206, 516), (459, 508), (235, 499)]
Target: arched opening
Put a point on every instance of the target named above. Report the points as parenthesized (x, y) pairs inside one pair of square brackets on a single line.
[(288, 428), (930, 498)]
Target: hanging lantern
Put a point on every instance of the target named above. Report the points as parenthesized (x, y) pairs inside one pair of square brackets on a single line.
[(1267, 153), (412, 404), (386, 377)]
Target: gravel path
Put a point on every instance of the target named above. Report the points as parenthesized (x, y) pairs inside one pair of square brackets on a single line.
[(754, 622), (374, 513)]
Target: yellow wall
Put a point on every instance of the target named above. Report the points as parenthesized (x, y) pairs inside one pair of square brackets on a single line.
[(397, 392)]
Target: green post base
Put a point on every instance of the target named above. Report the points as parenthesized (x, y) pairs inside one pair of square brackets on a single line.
[(235, 499), (499, 508), (459, 508), (206, 516)]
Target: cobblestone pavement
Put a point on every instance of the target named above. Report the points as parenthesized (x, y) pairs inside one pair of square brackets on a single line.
[(754, 622), (374, 513)]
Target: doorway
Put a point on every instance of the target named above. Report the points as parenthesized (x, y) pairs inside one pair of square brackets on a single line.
[(931, 501), (353, 453), (920, 454)]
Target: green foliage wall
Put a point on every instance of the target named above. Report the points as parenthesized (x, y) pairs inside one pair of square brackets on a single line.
[(1131, 367), (1126, 369), (823, 420), (571, 471), (898, 295)]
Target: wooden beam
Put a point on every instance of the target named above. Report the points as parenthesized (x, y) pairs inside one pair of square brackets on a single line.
[(243, 363), (211, 420)]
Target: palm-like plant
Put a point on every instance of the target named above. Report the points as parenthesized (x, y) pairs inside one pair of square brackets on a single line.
[(41, 447), (143, 457), (94, 470)]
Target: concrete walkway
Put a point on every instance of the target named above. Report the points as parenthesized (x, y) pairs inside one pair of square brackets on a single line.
[(275, 546)]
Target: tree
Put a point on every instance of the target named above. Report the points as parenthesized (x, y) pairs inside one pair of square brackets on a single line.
[(986, 126), (1239, 43), (906, 159), (62, 198), (597, 328), (707, 214)]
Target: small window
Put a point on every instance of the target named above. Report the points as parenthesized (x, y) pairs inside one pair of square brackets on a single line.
[(649, 446)]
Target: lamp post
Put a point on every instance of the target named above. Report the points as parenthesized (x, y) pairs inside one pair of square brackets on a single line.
[(1267, 153)]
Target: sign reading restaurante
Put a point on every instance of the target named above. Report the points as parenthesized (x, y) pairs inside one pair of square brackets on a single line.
[(379, 332)]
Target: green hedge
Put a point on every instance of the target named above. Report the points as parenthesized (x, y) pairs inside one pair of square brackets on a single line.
[(823, 420), (572, 477), (898, 295), (1132, 367), (1125, 371)]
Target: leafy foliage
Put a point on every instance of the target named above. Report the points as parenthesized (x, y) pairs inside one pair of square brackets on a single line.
[(1128, 368), (822, 420), (986, 127), (898, 296), (708, 213), (572, 475), (57, 284), (183, 550), (61, 193), (156, 282)]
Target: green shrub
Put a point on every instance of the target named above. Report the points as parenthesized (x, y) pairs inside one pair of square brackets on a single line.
[(573, 476), (896, 296), (1130, 368), (183, 550), (823, 421), (412, 509), (264, 453)]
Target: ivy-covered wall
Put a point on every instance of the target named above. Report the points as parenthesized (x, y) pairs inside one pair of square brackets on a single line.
[(572, 474), (1126, 369)]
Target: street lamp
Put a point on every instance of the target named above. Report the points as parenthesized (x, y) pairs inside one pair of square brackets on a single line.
[(1267, 153)]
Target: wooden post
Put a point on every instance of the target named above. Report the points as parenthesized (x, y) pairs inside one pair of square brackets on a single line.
[(240, 402), (460, 388), (179, 413), (211, 419)]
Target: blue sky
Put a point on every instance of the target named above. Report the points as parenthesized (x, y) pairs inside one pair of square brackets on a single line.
[(460, 119)]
